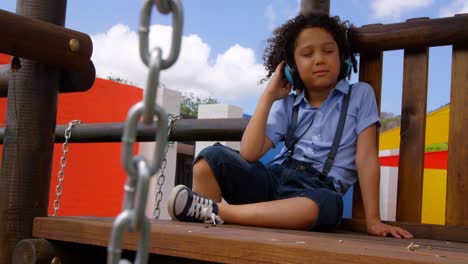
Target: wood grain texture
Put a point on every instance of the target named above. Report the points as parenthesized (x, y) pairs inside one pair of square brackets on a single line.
[(370, 71), (41, 41), (315, 6), (29, 136), (416, 33), (236, 244), (457, 173), (70, 80), (412, 135), (440, 233)]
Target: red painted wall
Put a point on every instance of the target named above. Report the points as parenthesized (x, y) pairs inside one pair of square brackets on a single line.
[(94, 177), (432, 160)]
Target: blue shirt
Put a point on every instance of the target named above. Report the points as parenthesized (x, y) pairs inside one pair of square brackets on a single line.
[(316, 142)]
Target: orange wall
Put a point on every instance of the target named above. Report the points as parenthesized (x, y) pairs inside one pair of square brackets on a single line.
[(94, 177), (4, 59)]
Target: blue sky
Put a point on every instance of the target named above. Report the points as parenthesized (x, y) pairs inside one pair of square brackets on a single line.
[(223, 43)]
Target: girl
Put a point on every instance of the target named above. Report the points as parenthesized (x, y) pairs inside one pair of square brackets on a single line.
[(329, 128)]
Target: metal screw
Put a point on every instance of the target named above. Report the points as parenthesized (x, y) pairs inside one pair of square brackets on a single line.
[(74, 45)]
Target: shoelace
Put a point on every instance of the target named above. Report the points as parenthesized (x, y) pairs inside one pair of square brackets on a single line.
[(211, 218), (198, 204), (202, 209)]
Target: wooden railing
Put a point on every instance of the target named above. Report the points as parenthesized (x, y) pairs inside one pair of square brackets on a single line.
[(415, 37)]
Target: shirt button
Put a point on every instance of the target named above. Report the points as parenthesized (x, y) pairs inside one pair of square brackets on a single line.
[(302, 168)]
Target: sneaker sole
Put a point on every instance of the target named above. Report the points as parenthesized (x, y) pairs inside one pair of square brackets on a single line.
[(170, 206)]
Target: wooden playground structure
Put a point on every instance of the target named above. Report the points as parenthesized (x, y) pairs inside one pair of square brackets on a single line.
[(41, 70)]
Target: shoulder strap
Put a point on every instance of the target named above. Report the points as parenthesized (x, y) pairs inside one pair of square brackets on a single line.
[(338, 134), (289, 140)]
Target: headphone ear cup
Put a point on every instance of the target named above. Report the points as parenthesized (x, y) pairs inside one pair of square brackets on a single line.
[(291, 74), (346, 68), (288, 73), (349, 67)]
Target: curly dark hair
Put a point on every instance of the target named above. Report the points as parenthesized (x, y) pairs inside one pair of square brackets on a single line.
[(281, 45)]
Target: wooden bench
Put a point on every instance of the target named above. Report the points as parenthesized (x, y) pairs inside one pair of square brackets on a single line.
[(83, 240), (239, 244)]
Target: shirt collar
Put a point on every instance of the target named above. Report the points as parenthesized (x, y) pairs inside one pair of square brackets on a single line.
[(342, 86)]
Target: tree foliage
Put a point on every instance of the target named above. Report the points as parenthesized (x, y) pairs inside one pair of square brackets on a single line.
[(389, 121), (119, 80), (190, 103)]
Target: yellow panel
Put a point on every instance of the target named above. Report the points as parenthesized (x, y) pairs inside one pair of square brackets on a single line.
[(437, 127), (390, 139), (434, 194)]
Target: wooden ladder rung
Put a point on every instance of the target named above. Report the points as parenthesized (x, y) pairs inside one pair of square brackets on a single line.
[(227, 243)]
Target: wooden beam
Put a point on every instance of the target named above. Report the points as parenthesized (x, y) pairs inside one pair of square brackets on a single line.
[(70, 80), (236, 244), (370, 71), (38, 40), (315, 6), (457, 172), (417, 33), (412, 135)]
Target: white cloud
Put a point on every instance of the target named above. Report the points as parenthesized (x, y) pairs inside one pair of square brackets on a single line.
[(231, 77), (393, 8), (456, 7)]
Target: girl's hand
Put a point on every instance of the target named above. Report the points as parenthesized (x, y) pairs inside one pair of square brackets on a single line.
[(278, 87), (380, 229)]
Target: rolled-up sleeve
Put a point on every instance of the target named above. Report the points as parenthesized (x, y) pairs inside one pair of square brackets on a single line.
[(367, 111)]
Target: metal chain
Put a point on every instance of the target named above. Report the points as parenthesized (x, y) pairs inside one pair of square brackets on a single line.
[(139, 170), (63, 164), (162, 177)]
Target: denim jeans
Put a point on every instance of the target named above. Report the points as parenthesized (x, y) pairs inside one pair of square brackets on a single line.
[(244, 182)]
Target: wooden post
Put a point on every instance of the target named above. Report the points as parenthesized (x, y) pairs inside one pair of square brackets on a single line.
[(370, 71), (412, 135), (457, 173), (315, 6), (29, 137)]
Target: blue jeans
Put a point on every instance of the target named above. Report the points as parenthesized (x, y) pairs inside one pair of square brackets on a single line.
[(244, 182)]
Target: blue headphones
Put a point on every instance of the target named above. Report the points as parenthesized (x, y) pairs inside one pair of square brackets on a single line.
[(291, 74), (288, 73)]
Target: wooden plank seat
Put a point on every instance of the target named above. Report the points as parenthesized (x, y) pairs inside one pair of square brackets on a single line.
[(228, 243)]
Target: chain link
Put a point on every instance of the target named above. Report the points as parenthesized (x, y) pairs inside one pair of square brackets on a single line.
[(154, 59), (162, 177), (63, 164), (139, 170)]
